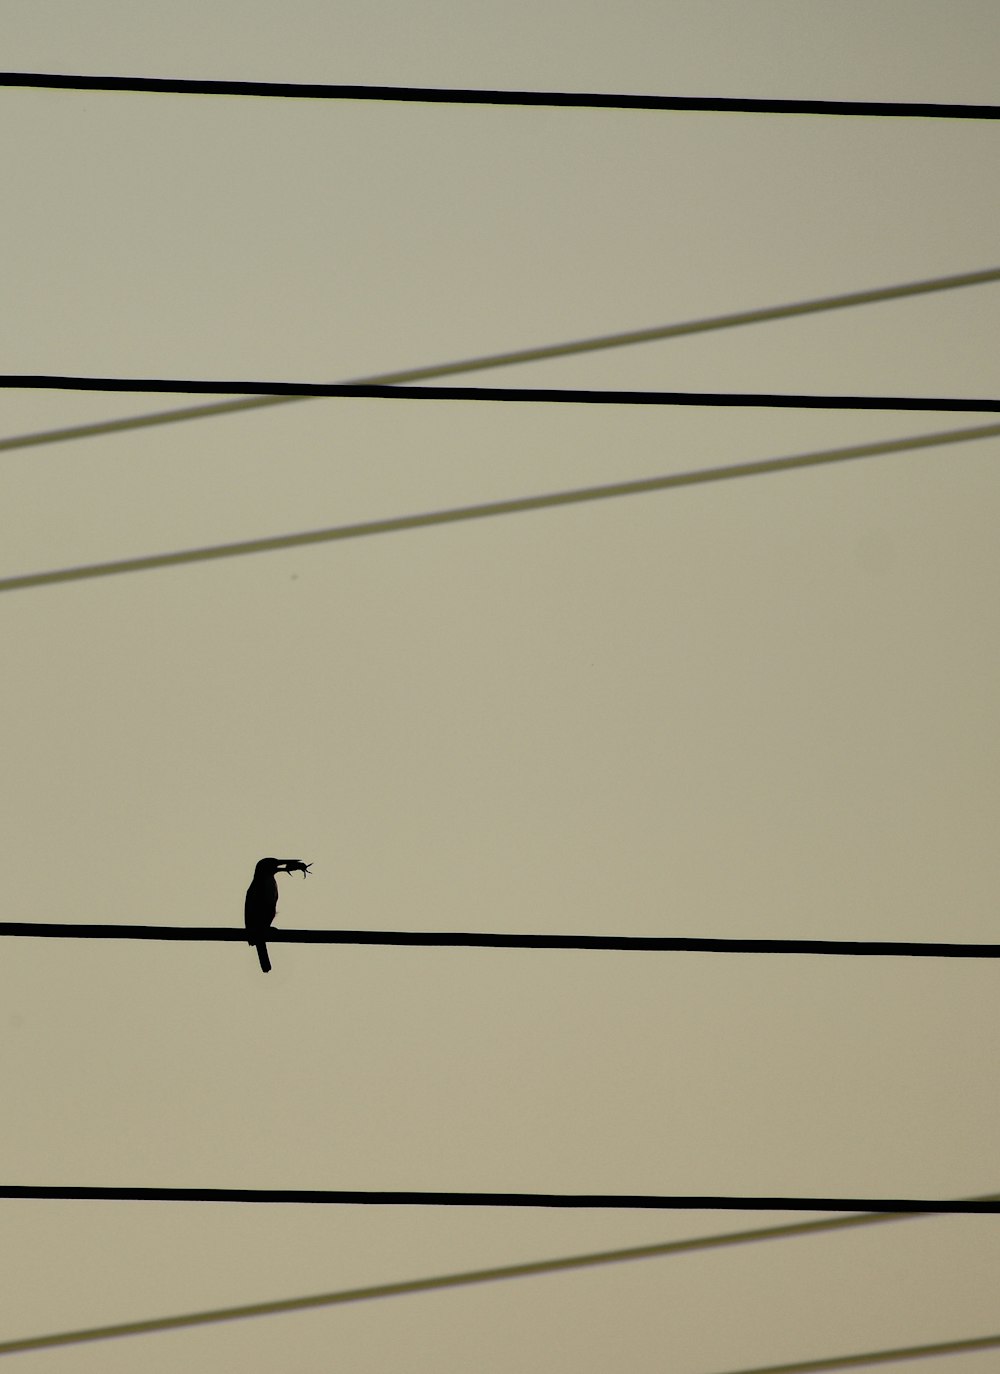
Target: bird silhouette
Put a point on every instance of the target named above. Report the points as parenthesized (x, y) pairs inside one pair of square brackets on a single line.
[(262, 901)]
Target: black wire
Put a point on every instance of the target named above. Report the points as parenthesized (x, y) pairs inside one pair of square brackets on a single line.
[(549, 395), (926, 949), (457, 96), (415, 1198)]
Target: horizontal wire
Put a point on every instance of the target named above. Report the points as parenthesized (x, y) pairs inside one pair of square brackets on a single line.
[(514, 506), (870, 1357), (624, 339), (298, 90), (432, 1198), (547, 395), (530, 1269), (503, 940)]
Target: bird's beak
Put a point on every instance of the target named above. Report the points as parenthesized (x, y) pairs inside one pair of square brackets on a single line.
[(293, 866)]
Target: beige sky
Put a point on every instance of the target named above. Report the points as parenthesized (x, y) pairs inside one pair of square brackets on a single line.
[(761, 708)]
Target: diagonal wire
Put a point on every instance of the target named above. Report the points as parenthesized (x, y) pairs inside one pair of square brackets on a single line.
[(514, 506), (531, 1269), (870, 1357), (525, 355), (296, 90)]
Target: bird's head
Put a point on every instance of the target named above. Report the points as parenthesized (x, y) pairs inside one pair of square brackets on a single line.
[(267, 867)]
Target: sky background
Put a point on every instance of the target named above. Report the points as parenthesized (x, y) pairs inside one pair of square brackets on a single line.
[(758, 708)]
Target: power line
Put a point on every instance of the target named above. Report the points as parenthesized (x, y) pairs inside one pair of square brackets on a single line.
[(927, 949), (514, 506), (424, 1198), (526, 355), (534, 395), (908, 1352), (531, 1269), (296, 90)]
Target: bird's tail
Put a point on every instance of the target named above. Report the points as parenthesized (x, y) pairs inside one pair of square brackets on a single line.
[(265, 963)]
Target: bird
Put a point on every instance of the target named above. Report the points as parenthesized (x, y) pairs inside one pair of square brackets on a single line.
[(262, 901)]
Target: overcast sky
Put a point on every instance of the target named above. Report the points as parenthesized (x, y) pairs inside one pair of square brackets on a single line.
[(764, 707)]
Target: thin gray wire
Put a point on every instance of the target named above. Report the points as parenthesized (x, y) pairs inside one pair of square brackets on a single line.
[(514, 506), (870, 1357), (460, 1280), (524, 355)]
